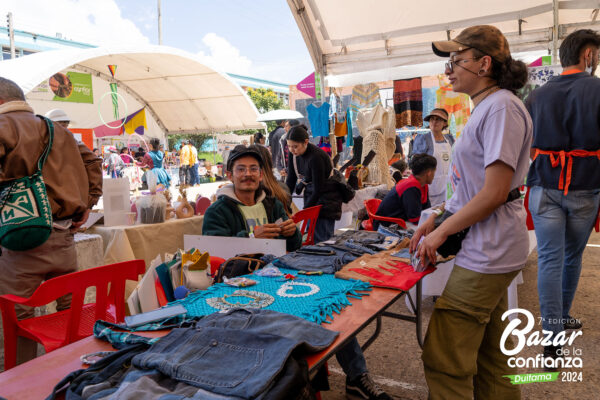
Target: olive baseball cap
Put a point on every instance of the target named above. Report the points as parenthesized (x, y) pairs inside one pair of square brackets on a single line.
[(486, 38), (242, 151)]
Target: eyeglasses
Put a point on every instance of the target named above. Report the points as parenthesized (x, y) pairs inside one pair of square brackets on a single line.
[(451, 63), (240, 169)]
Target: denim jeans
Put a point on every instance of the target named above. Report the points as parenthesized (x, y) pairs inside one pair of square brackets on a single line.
[(563, 225), (352, 360), (324, 229), (314, 262)]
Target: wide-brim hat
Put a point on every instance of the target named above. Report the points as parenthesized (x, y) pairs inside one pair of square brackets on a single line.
[(242, 151), (486, 38), (438, 112)]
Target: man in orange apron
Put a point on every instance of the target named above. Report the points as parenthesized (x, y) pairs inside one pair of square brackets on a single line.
[(564, 179)]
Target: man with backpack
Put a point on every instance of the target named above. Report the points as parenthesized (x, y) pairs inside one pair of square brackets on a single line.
[(73, 183)]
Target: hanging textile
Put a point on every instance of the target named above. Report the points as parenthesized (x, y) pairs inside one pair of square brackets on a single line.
[(349, 119), (318, 117), (374, 127), (408, 102), (341, 128), (364, 96), (458, 105)]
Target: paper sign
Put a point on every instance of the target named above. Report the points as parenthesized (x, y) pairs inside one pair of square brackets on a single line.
[(231, 246)]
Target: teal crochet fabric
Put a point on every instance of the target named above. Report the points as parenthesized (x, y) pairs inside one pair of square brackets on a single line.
[(332, 296)]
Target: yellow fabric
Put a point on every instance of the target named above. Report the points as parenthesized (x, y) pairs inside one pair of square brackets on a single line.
[(193, 155), (135, 122), (254, 216), (186, 155)]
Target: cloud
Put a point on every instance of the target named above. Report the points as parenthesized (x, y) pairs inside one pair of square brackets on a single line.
[(89, 21), (223, 56)]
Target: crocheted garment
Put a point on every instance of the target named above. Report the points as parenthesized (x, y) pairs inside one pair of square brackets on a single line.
[(333, 296)]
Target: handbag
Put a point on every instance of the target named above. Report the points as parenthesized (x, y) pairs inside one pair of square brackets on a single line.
[(242, 264), (25, 213), (453, 243)]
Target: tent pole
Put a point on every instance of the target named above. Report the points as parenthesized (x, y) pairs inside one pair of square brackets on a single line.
[(215, 149), (555, 32)]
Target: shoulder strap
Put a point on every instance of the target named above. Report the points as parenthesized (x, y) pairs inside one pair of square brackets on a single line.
[(46, 152), (296, 166)]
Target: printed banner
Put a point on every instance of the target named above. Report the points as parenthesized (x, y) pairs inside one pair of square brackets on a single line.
[(73, 87)]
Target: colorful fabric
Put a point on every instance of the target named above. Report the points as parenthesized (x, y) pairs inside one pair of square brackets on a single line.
[(457, 104), (396, 275), (318, 117), (408, 102), (364, 96), (136, 122), (349, 119), (332, 296), (157, 161)]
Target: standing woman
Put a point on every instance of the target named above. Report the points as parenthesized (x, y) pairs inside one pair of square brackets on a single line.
[(154, 160), (461, 354), (309, 166), (440, 146)]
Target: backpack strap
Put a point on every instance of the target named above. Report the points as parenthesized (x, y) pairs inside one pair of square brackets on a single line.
[(46, 152)]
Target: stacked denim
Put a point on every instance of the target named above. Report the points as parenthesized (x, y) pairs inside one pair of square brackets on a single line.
[(362, 237), (326, 263), (240, 354)]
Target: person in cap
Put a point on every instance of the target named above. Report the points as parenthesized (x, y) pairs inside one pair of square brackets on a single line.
[(438, 145), (59, 116), (243, 208), (564, 196), (73, 183), (462, 357), (115, 163)]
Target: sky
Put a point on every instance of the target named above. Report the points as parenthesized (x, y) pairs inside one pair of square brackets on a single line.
[(257, 38)]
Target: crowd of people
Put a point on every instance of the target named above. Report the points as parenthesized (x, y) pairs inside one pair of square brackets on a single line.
[(553, 140)]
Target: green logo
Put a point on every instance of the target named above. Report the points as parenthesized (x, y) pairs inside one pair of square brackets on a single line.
[(532, 378), (19, 208)]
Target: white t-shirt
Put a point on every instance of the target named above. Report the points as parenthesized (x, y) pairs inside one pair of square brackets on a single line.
[(500, 129)]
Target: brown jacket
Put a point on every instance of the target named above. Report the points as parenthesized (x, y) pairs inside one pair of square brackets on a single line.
[(72, 173)]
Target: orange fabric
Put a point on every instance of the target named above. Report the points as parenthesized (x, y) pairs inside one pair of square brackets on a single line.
[(565, 158), (571, 72), (340, 129)]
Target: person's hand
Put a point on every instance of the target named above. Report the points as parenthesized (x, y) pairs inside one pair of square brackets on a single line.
[(429, 246), (76, 224), (267, 231), (288, 227), (423, 230), (283, 172)]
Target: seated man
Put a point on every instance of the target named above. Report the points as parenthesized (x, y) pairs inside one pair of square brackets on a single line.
[(409, 197), (244, 210)]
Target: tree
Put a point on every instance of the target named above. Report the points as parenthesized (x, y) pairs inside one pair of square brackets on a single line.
[(266, 100)]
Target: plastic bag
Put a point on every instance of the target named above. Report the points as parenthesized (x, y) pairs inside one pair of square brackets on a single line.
[(151, 209)]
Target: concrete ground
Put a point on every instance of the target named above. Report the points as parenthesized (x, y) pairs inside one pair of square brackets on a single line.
[(394, 359)]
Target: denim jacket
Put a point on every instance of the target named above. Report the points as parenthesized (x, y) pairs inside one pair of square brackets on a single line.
[(238, 353)]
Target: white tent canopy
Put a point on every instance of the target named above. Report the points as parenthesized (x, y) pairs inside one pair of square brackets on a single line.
[(354, 36), (180, 93)]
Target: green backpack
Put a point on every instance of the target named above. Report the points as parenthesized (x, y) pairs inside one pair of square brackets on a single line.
[(25, 213)]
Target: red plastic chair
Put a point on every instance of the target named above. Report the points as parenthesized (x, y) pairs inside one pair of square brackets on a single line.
[(67, 326), (308, 217), (202, 204), (372, 205)]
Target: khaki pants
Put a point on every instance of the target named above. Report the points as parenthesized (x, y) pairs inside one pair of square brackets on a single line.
[(21, 272), (461, 353)]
